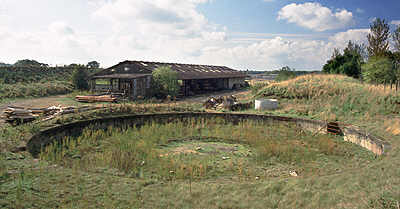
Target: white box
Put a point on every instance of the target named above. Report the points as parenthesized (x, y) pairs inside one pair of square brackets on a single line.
[(266, 104)]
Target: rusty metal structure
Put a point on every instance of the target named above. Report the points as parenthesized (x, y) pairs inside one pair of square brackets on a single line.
[(134, 78)]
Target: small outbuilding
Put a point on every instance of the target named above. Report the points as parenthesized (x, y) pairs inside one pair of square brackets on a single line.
[(133, 78)]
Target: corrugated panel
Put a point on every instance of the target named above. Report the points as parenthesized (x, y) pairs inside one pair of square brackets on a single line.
[(185, 71)]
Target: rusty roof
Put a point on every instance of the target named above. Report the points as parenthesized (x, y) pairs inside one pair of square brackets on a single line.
[(127, 76), (185, 71)]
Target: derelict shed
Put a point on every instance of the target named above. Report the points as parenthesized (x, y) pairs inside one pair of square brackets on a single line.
[(134, 78)]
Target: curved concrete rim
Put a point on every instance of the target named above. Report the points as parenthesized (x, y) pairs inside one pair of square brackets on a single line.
[(350, 133)]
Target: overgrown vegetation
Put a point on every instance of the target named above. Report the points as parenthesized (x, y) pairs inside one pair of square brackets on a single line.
[(170, 163), (19, 90), (146, 152), (29, 78), (285, 73), (374, 63), (348, 63), (359, 180), (165, 82), (80, 78), (334, 97)]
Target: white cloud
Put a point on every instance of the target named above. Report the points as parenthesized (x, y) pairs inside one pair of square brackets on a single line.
[(316, 17), (356, 35), (165, 31), (272, 54), (268, 0), (359, 10), (61, 28), (165, 17), (276, 52), (395, 22)]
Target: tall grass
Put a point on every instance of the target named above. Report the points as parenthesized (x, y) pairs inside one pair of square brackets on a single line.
[(338, 95), (145, 152)]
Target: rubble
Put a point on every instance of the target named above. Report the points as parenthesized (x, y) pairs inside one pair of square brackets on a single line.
[(226, 103), (293, 173)]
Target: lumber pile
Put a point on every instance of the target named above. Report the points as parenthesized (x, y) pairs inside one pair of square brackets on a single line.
[(18, 115), (96, 98)]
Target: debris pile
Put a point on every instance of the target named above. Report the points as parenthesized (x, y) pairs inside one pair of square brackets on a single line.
[(221, 102), (20, 115), (97, 98), (226, 103)]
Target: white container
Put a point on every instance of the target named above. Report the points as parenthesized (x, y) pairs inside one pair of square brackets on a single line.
[(266, 104)]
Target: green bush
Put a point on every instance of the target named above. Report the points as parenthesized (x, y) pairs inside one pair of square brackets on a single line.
[(165, 82), (79, 78), (379, 70), (348, 63), (285, 73), (21, 90)]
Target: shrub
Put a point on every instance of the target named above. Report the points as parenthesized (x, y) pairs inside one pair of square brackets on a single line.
[(79, 78), (348, 63), (165, 82), (379, 70), (285, 73)]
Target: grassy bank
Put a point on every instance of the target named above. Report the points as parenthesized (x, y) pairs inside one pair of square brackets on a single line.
[(338, 98)]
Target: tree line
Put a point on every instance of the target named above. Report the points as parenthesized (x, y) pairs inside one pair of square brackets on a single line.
[(32, 71), (374, 63)]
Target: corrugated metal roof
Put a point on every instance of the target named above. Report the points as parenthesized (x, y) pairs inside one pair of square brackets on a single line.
[(185, 71), (127, 76)]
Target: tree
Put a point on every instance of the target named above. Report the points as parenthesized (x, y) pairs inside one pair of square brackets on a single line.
[(93, 64), (29, 63), (2, 64), (285, 73), (348, 63), (396, 38), (358, 50), (378, 38), (165, 82), (396, 54), (79, 78), (336, 52), (379, 70), (74, 65)]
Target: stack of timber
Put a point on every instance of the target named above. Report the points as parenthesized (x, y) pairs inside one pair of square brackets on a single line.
[(18, 115), (97, 98)]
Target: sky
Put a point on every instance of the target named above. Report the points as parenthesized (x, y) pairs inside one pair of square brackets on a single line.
[(241, 34)]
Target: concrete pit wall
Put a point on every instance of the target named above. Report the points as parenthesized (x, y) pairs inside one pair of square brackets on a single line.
[(48, 136)]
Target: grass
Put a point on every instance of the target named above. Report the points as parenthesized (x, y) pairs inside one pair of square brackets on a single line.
[(141, 152), (344, 175), (336, 98), (199, 163)]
